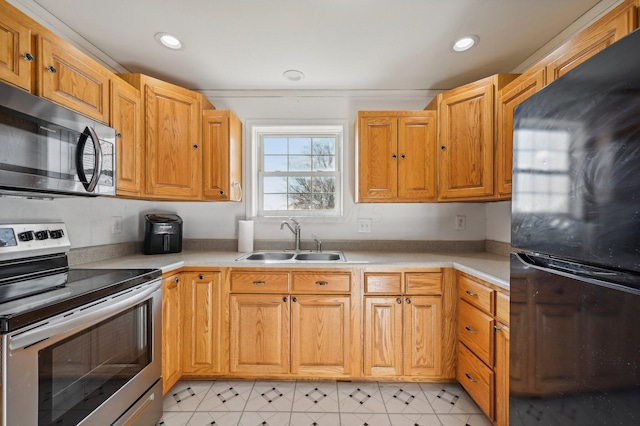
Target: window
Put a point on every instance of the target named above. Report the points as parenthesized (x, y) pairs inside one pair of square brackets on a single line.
[(298, 170)]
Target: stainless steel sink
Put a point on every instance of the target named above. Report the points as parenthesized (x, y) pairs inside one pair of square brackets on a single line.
[(276, 255), (293, 256)]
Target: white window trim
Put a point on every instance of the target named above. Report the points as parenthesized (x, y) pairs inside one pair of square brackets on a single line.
[(252, 159)]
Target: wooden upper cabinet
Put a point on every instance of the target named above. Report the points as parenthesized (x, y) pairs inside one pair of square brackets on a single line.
[(16, 56), (467, 129), (222, 156), (377, 139), (616, 24), (70, 78), (396, 156), (509, 97), (172, 134), (126, 119), (417, 158)]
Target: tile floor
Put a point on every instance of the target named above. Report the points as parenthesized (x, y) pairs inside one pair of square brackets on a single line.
[(307, 403)]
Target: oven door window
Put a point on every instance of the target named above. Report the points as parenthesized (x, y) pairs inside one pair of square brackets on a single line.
[(78, 374)]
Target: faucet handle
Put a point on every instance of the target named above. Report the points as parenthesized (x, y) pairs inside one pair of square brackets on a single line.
[(318, 244), (294, 221)]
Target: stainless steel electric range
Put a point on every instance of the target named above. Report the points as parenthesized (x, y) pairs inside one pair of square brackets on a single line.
[(77, 346)]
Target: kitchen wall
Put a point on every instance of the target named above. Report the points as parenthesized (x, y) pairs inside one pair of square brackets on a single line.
[(89, 220)]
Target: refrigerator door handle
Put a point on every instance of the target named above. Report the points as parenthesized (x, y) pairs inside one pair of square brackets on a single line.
[(597, 277)]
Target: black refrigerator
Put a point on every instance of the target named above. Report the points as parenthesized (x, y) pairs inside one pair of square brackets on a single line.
[(575, 230)]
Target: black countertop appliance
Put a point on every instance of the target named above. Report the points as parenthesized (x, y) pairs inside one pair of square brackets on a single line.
[(162, 233), (575, 226)]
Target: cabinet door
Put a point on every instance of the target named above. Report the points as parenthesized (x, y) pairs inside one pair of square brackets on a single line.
[(321, 335), (502, 376), (221, 156), (465, 156), (383, 336), (508, 98), (259, 334), (377, 159), (417, 158), (202, 323), (612, 27), (423, 336), (172, 151), (126, 119), (16, 57), (72, 79), (171, 331)]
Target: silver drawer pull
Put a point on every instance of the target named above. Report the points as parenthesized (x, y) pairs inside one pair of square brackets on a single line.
[(472, 294), (470, 330), (259, 283), (471, 379), (322, 283)]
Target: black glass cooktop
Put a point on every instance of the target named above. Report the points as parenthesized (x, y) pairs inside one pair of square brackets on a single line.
[(26, 301)]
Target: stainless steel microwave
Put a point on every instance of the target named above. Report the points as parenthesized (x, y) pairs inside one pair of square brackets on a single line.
[(48, 149)]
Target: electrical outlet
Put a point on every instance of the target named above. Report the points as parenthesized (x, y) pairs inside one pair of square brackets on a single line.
[(116, 224), (364, 225), (461, 223)]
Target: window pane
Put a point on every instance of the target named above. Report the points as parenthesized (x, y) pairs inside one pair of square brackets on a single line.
[(324, 163), (299, 146), (324, 201), (275, 201), (299, 163), (324, 184), (324, 146), (276, 184), (299, 184), (275, 163), (299, 201), (275, 146)]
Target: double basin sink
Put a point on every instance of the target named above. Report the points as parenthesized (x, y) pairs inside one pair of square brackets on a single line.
[(294, 256)]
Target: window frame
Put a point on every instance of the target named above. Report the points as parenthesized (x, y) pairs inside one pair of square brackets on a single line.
[(306, 128)]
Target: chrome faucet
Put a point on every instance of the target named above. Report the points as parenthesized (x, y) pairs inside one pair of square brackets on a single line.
[(295, 229)]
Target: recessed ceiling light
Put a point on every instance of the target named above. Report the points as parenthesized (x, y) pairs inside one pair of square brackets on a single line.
[(465, 43), (168, 40), (293, 75)]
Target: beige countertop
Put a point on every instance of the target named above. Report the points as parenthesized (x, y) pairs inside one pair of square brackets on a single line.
[(489, 267)]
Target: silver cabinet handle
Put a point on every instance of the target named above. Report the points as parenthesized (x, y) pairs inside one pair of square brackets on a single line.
[(28, 57), (259, 283), (471, 379), (408, 301), (201, 277), (472, 294), (399, 301), (470, 330), (51, 69), (284, 299), (322, 283)]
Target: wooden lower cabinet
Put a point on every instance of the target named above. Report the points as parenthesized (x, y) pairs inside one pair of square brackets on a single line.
[(202, 340), (483, 345), (171, 330), (259, 334), (321, 335), (403, 336)]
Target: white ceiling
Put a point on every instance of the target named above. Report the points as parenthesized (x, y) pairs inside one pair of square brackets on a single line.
[(337, 44)]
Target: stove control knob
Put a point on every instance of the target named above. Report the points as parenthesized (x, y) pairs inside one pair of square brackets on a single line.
[(56, 233), (42, 235), (25, 236)]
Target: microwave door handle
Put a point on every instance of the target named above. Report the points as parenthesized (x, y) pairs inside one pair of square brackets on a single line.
[(89, 132)]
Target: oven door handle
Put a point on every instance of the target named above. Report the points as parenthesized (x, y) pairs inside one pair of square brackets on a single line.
[(82, 318)]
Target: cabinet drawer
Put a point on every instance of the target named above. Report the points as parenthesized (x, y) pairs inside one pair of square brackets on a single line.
[(502, 308), (476, 378), (260, 282), (311, 282), (475, 329), (423, 283), (475, 293), (383, 283)]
